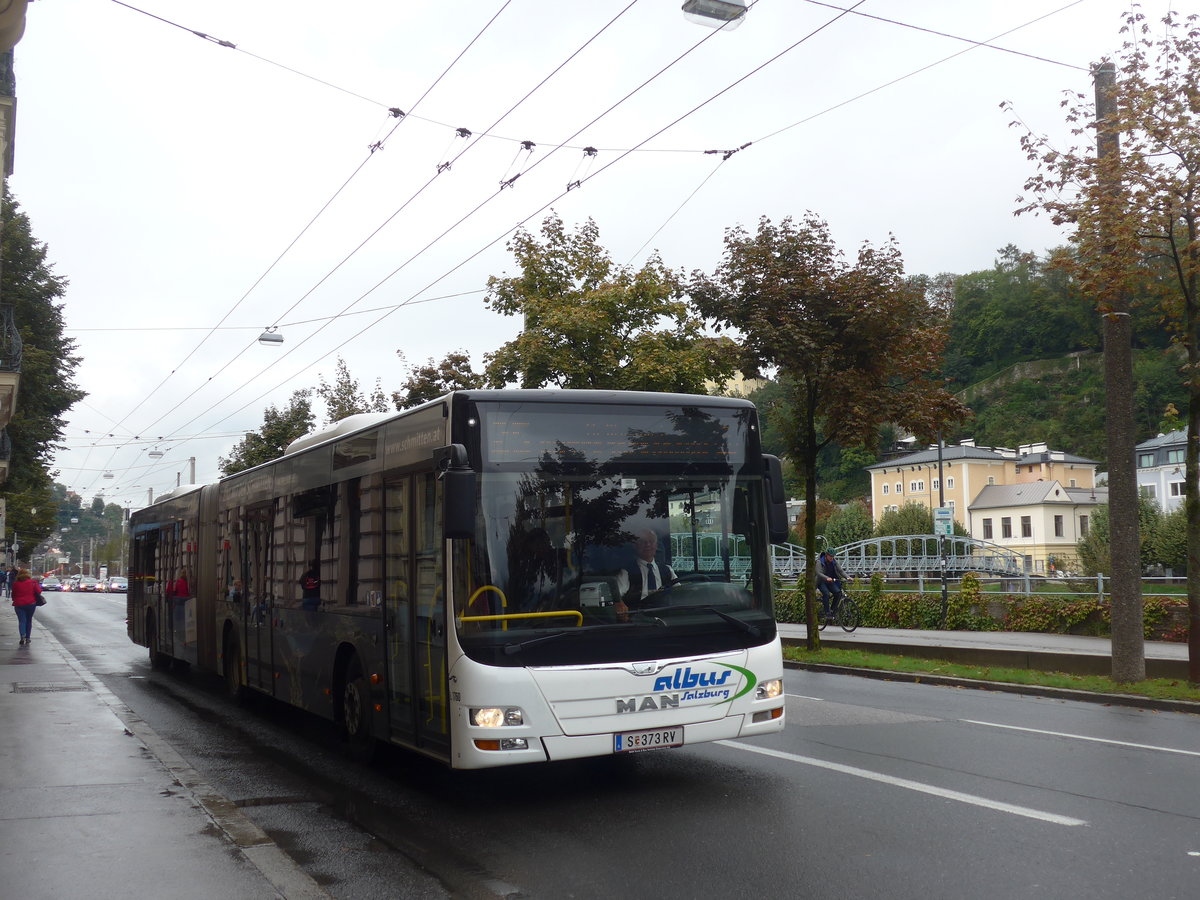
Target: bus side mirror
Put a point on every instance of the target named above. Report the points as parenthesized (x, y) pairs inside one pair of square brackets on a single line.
[(777, 520), (458, 492)]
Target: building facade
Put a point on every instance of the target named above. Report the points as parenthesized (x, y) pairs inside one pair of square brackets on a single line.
[(1160, 469), (1041, 521)]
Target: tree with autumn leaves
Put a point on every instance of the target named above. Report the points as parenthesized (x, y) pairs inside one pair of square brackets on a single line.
[(1130, 192), (854, 344), (591, 323)]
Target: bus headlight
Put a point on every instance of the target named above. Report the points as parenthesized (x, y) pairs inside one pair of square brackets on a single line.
[(496, 716), (769, 690)]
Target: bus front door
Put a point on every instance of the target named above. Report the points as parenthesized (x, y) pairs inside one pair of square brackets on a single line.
[(416, 613)]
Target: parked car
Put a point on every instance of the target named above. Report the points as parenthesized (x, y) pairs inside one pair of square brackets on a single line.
[(117, 585), (89, 584), (51, 583)]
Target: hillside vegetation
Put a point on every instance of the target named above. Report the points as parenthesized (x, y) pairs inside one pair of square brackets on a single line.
[(1024, 355)]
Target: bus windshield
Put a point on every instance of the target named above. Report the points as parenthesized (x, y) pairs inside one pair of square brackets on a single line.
[(614, 533)]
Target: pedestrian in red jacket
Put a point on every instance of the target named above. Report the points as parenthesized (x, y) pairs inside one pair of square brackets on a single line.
[(25, 593)]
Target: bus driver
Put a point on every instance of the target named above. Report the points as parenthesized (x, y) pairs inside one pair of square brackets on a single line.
[(639, 581)]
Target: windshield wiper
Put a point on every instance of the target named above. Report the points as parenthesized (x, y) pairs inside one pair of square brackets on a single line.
[(510, 649), (518, 646), (752, 630)]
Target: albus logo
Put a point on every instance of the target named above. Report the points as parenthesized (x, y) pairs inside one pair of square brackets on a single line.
[(684, 685)]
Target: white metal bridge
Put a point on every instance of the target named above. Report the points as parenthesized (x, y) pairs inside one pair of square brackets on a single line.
[(908, 554)]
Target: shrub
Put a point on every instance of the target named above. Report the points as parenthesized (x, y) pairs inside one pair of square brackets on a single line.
[(789, 605), (1156, 609), (1056, 615)]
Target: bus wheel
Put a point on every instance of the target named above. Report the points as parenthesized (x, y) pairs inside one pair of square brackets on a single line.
[(158, 659), (356, 713), (233, 666)]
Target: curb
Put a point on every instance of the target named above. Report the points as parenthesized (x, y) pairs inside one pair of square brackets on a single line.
[(1007, 687), (1008, 657)]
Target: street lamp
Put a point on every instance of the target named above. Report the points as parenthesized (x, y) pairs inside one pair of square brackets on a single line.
[(723, 14), (271, 337)]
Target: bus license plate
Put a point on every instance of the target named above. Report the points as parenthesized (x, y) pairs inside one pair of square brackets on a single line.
[(628, 741)]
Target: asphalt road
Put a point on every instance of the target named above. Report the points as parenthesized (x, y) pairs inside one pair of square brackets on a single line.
[(875, 789)]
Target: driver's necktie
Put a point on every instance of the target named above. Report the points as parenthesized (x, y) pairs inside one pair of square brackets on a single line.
[(651, 581)]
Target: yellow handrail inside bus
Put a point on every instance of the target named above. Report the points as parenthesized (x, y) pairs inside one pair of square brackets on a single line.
[(475, 596), (533, 615)]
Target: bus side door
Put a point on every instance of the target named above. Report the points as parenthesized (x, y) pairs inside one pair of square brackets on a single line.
[(258, 584)]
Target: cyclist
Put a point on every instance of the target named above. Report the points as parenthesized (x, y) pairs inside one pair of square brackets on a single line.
[(830, 576)]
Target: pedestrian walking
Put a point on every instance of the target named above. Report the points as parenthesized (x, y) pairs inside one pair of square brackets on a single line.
[(9, 577), (25, 595)]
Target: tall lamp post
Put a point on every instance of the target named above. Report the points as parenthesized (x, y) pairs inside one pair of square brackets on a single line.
[(944, 524)]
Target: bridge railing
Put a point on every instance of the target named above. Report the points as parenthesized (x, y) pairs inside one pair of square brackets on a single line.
[(916, 553)]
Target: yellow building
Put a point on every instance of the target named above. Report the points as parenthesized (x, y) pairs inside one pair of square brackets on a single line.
[(968, 471)]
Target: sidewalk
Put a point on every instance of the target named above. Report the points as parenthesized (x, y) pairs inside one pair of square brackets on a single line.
[(1073, 654), (94, 804)]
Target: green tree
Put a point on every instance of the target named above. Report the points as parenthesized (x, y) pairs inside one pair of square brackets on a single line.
[(344, 398), (1170, 539), (279, 428), (1094, 548), (855, 345), (850, 523), (589, 323), (435, 379), (48, 365), (911, 518), (1134, 205)]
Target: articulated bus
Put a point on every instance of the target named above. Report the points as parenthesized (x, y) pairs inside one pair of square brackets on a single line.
[(455, 578)]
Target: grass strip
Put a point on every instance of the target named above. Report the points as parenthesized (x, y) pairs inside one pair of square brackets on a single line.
[(1158, 688)]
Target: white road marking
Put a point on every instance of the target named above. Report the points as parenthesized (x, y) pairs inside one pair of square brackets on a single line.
[(804, 697), (958, 796), (1082, 737)]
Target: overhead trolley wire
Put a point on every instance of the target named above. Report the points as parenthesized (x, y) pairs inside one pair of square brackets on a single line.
[(807, 119), (399, 115), (319, 213), (345, 310), (708, 177), (954, 37), (390, 218), (926, 68), (541, 209), (329, 84)]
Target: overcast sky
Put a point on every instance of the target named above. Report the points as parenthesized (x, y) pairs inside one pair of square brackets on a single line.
[(170, 175)]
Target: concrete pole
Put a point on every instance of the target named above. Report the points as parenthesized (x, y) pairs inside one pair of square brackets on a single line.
[(1128, 644), (942, 537)]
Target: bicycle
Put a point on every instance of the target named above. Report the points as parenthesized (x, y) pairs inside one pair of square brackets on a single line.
[(845, 612)]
